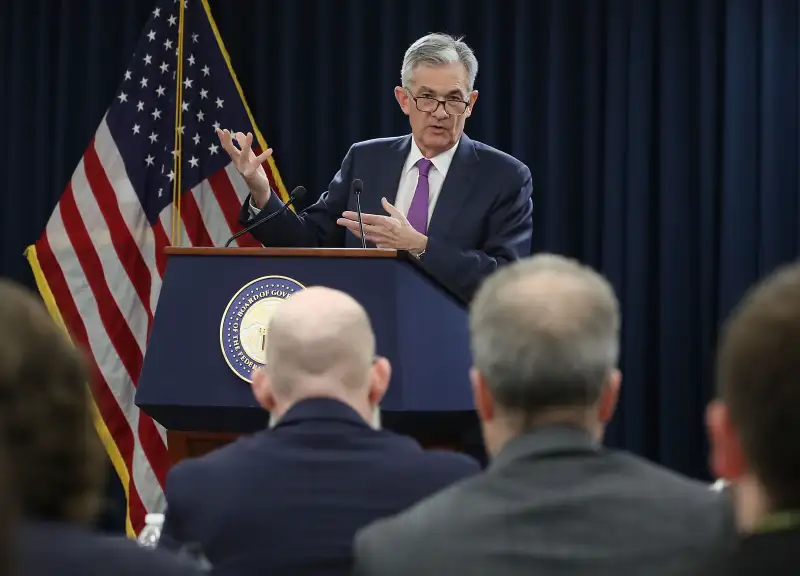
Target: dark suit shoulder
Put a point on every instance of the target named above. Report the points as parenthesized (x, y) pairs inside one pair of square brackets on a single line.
[(489, 153), (379, 143), (62, 549)]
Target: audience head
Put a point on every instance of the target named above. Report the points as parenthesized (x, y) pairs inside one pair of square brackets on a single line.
[(437, 67), (57, 465), (754, 423), (321, 344), (545, 344)]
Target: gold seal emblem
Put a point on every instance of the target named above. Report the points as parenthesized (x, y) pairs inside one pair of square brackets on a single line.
[(244, 330)]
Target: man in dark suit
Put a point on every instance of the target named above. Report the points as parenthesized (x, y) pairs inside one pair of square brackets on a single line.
[(289, 500), (754, 427), (553, 501), (54, 457), (462, 208)]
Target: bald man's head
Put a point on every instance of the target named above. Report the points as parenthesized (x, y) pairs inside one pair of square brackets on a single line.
[(321, 343)]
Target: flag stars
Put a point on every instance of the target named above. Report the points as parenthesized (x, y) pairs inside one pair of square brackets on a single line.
[(167, 44), (193, 161), (213, 149), (172, 20), (156, 12), (127, 74), (195, 38), (160, 91), (123, 97), (181, 129), (190, 60), (185, 106), (188, 83), (200, 116), (149, 160), (196, 139), (203, 94), (216, 126), (153, 137), (156, 114), (151, 36), (147, 59), (160, 192), (171, 175), (220, 102), (206, 70), (143, 82), (164, 67), (136, 128)]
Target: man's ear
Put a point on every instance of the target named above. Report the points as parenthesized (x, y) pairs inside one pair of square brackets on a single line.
[(609, 397), (726, 456), (482, 396), (379, 377), (473, 97), (402, 97), (262, 389)]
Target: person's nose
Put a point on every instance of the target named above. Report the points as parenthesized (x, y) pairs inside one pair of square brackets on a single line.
[(440, 113)]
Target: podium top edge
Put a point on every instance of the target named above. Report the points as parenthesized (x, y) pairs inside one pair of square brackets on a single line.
[(285, 252)]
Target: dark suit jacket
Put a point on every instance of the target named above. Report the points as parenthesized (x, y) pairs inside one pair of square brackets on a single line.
[(482, 218), (550, 504), (289, 500), (771, 553), (49, 549)]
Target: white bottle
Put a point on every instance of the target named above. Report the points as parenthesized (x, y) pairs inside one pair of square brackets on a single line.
[(151, 533)]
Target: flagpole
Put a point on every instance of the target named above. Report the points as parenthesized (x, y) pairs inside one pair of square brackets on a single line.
[(176, 159)]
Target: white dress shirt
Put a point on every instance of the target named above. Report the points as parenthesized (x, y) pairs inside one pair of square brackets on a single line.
[(410, 175)]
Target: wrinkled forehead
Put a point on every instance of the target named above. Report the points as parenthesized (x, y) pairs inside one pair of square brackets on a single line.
[(445, 80)]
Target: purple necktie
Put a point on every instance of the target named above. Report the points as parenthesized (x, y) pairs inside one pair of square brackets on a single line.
[(418, 212)]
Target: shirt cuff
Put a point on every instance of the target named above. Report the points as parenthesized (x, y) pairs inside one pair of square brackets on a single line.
[(251, 207)]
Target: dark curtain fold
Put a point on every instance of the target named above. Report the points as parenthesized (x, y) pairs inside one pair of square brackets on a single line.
[(662, 136)]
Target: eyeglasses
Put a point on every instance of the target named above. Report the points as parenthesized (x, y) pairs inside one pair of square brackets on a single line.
[(453, 107)]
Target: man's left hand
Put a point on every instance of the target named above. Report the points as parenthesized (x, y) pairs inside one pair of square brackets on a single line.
[(392, 231)]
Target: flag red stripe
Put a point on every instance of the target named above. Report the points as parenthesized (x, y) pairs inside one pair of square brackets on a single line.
[(228, 201), (126, 247), (116, 326), (107, 405), (162, 241), (193, 221)]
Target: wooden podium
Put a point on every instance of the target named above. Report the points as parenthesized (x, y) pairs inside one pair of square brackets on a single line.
[(193, 379)]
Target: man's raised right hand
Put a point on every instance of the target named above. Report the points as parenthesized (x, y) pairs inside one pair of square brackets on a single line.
[(248, 164)]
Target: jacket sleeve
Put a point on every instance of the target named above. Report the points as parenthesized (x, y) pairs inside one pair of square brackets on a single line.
[(313, 228)]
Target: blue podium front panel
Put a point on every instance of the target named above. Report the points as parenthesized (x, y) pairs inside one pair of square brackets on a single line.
[(187, 384)]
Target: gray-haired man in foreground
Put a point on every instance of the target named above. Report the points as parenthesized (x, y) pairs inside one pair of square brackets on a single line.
[(545, 338)]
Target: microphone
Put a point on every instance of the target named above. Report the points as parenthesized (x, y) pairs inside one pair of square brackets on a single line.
[(296, 194), (357, 187)]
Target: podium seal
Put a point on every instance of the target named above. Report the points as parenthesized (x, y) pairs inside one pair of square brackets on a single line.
[(244, 330)]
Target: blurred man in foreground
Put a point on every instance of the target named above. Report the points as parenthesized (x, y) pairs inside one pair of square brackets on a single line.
[(754, 426), (545, 340), (289, 500), (55, 459)]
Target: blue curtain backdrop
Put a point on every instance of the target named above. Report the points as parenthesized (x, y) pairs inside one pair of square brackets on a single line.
[(662, 137)]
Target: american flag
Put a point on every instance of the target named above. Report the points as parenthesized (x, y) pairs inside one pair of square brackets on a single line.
[(100, 261)]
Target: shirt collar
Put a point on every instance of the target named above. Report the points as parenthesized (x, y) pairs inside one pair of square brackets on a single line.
[(441, 161)]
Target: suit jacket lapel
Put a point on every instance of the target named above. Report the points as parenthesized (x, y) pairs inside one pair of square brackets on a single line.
[(391, 169), (456, 189)]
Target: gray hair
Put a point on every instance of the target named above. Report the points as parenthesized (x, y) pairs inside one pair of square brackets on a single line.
[(545, 334), (439, 50)]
